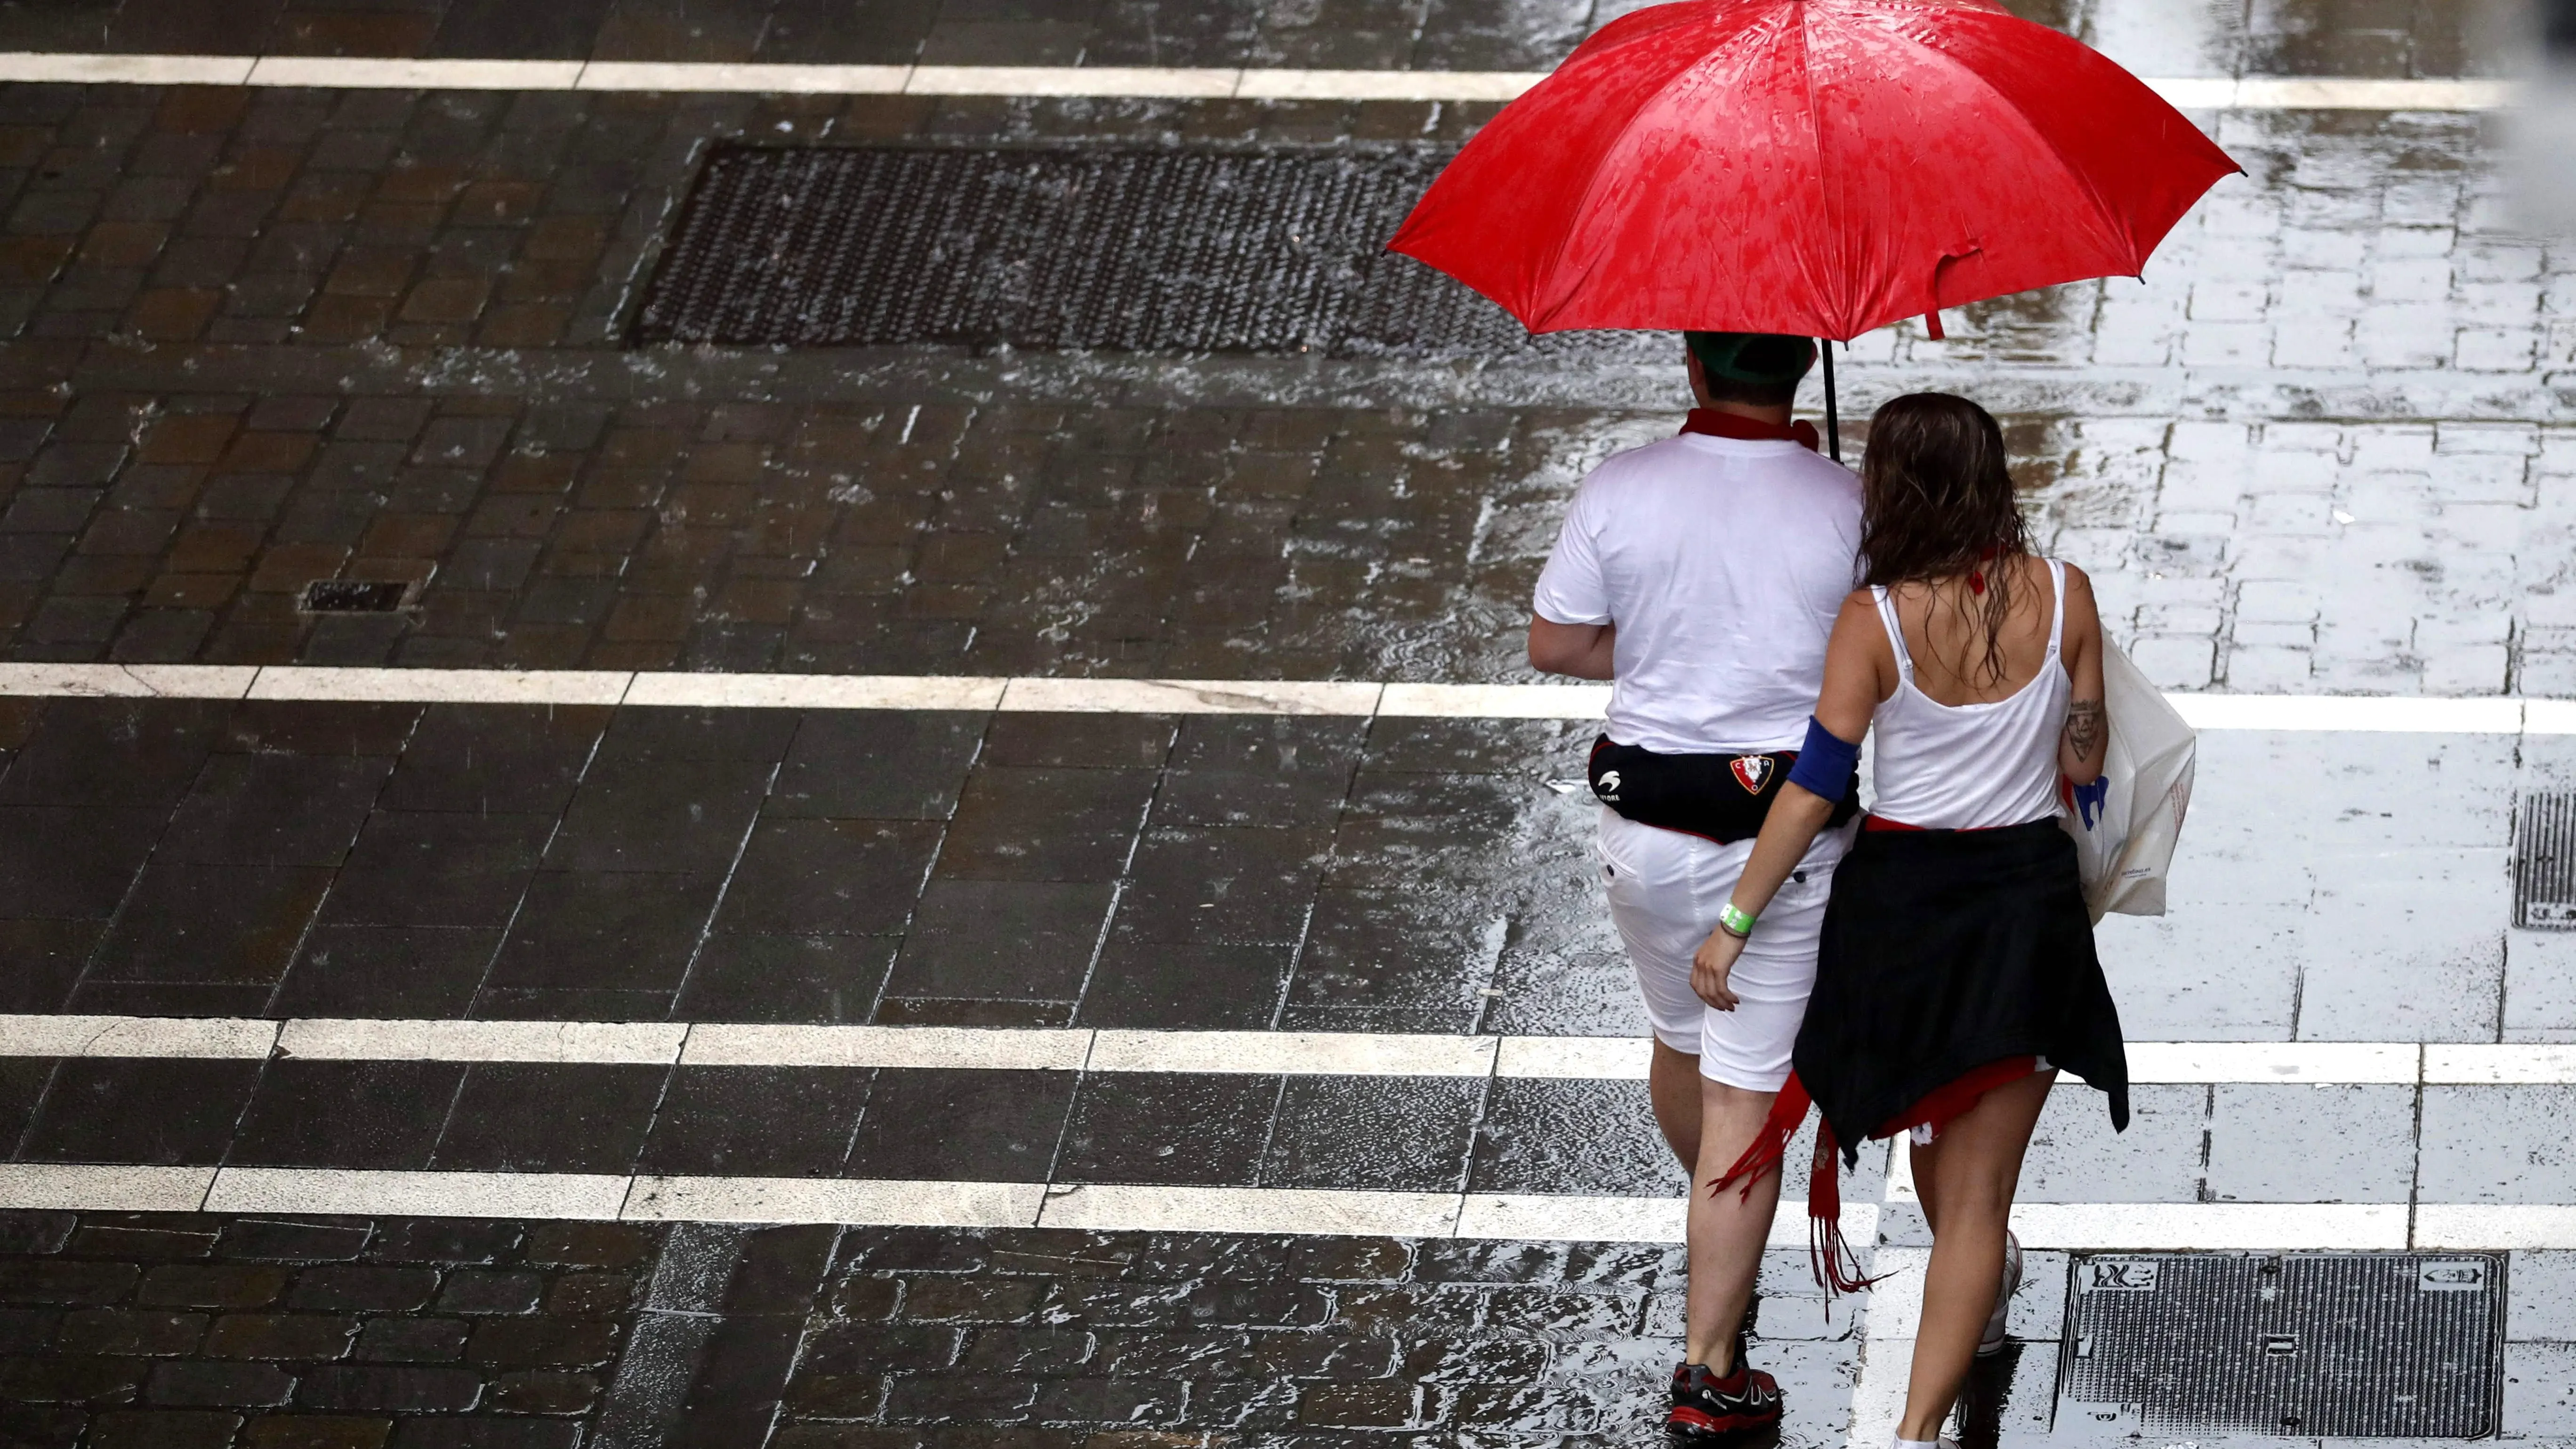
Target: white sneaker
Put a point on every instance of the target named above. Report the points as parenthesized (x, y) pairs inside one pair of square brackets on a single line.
[(1992, 1341)]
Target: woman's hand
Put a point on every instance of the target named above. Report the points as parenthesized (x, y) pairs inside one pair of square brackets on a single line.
[(1710, 965)]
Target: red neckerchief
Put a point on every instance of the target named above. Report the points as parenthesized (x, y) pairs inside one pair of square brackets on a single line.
[(1718, 423)]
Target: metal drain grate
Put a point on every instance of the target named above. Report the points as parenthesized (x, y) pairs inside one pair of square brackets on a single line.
[(1124, 249), (2544, 862), (351, 596), (2388, 1345)]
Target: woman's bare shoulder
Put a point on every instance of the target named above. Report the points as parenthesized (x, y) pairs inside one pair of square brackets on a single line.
[(2079, 589)]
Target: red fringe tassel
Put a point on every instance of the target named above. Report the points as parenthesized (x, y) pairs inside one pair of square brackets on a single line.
[(1831, 1256)]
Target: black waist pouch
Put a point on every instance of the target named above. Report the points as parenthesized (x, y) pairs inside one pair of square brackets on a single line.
[(1716, 797)]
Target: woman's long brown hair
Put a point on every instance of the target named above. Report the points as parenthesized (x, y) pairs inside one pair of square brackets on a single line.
[(1937, 503)]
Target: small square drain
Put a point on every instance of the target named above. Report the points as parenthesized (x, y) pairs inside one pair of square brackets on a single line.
[(2304, 1345), (2544, 862), (351, 596)]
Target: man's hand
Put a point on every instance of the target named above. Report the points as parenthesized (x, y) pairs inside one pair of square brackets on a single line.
[(1710, 966)]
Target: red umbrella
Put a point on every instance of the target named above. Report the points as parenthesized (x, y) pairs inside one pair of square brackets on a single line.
[(1815, 167)]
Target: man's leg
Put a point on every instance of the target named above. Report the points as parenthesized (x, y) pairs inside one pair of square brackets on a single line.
[(1672, 1084), (1725, 1231), (1654, 879)]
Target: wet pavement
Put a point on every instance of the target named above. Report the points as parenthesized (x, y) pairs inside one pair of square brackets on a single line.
[(272, 336), (268, 859), (1202, 872), (184, 1330), (251, 339), (2211, 37)]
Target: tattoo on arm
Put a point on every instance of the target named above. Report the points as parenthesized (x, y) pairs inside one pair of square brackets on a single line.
[(2085, 724)]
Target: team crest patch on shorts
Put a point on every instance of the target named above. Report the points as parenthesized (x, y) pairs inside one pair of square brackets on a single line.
[(1752, 772)]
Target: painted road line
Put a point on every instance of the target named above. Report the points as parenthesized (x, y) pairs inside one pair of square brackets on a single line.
[(2341, 1062), (129, 681), (2549, 716), (2449, 1065), (1495, 701), (372, 73), (1305, 1211), (1386, 85), (1539, 1217), (608, 1042), (440, 686), (550, 1195), (1289, 1053), (733, 1044), (814, 691), (2256, 93), (136, 1036), (1181, 696), (1615, 1058), (1112, 81), (147, 70), (669, 76), (2495, 1225), (2239, 1226), (2345, 93), (1128, 1208), (2374, 713), (98, 1187), (829, 1200), (1294, 1053), (1349, 698), (1284, 1053)]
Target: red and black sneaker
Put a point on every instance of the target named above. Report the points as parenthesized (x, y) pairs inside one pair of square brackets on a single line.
[(1709, 1410)]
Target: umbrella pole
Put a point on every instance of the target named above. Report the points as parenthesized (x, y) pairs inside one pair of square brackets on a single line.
[(1833, 419)]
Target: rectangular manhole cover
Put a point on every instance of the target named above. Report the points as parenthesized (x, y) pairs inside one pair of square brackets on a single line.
[(1129, 249), (2544, 862), (2304, 1345)]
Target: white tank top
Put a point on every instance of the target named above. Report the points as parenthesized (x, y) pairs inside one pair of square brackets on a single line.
[(1971, 766)]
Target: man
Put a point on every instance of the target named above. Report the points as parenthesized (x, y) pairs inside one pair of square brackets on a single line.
[(1701, 575)]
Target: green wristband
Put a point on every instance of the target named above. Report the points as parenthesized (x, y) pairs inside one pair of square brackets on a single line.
[(1735, 922)]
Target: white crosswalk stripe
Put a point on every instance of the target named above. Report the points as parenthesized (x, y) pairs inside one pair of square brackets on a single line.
[(2371, 714), (1111, 1207), (1285, 1053), (2251, 93)]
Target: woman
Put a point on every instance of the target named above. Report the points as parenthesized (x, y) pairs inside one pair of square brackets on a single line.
[(1956, 972)]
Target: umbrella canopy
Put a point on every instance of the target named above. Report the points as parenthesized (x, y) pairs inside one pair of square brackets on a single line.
[(1815, 167)]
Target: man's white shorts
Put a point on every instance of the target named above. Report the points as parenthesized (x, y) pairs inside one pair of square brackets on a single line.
[(1665, 890)]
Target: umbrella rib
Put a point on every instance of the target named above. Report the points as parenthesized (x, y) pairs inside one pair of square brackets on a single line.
[(1826, 179), (2103, 212)]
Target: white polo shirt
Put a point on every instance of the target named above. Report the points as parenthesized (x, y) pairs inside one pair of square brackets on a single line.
[(1723, 563)]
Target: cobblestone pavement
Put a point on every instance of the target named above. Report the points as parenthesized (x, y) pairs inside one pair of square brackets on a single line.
[(185, 1331), (2309, 37), (254, 338), (272, 859), (266, 858), (351, 1333), (264, 337)]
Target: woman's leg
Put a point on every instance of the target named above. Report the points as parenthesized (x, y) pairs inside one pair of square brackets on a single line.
[(1966, 1181)]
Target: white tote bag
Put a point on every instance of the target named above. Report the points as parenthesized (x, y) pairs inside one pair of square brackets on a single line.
[(2125, 824)]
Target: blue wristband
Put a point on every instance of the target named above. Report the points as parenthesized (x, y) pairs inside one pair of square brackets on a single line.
[(1825, 763)]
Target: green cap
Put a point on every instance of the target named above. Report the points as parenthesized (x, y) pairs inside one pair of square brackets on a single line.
[(1755, 357)]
